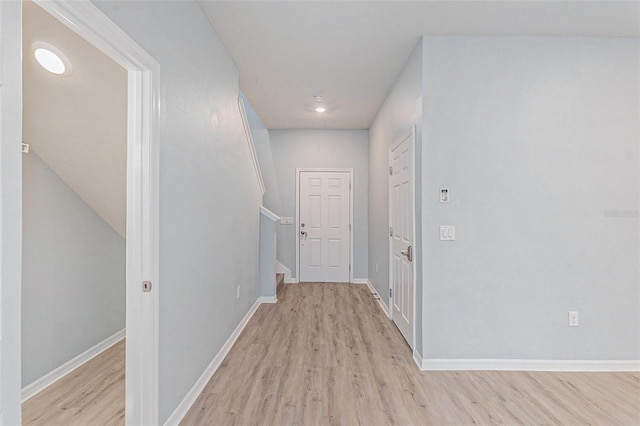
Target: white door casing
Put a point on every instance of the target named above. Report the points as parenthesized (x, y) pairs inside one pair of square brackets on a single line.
[(324, 243), (10, 209), (141, 381), (401, 235)]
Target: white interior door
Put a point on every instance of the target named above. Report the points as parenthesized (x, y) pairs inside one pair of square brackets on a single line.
[(401, 218), (324, 226)]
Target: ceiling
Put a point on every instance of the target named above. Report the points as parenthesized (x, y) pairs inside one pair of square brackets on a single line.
[(353, 51), (77, 124)]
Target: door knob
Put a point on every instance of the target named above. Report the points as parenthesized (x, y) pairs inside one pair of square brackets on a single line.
[(408, 253)]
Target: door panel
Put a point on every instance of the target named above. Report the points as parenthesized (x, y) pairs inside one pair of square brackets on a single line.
[(401, 182), (323, 234)]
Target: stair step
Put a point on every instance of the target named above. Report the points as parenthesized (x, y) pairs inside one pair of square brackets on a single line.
[(279, 282)]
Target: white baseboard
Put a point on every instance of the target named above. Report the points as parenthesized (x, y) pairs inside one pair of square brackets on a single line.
[(359, 281), (417, 359), (526, 365), (66, 368), (268, 299), (291, 281), (383, 305), (181, 410)]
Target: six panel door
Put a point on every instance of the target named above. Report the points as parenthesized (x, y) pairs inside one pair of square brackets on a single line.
[(324, 234)]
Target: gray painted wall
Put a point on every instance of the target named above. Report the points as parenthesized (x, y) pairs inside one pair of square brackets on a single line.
[(73, 273), (321, 149), (267, 256), (209, 197), (401, 109), (537, 140)]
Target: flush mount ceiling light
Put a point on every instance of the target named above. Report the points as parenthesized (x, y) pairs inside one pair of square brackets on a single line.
[(318, 98), (51, 58)]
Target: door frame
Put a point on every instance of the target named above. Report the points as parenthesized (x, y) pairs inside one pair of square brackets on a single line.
[(142, 351), (10, 210), (297, 224), (410, 133)]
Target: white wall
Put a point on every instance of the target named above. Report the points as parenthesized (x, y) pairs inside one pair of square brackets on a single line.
[(73, 273), (401, 109), (536, 138), (209, 196), (321, 149)]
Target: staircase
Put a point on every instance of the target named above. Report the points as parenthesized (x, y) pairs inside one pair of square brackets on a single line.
[(279, 283)]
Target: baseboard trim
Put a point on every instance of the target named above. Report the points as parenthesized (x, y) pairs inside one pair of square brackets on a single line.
[(417, 359), (383, 305), (526, 365), (185, 405), (359, 281), (268, 299), (53, 376), (291, 281)]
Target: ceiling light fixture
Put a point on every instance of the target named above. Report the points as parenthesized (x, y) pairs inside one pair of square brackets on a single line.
[(51, 59), (320, 109), (318, 97)]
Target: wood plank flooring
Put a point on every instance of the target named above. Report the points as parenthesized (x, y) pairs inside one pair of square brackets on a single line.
[(93, 394), (326, 355)]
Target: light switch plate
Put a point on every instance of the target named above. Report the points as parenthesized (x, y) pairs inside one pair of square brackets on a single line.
[(574, 319), (286, 221), (444, 195), (447, 233)]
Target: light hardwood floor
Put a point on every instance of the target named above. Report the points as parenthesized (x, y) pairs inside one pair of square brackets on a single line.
[(93, 394), (326, 355)]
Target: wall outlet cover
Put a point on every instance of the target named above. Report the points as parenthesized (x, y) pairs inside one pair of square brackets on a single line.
[(574, 319)]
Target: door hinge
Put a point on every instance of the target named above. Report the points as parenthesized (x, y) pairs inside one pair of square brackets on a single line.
[(349, 268), (390, 293), (349, 227), (349, 187), (390, 231), (390, 171)]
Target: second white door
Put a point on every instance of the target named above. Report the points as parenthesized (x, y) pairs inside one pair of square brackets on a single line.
[(324, 234), (401, 218)]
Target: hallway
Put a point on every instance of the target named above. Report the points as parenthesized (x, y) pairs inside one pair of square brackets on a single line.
[(325, 354)]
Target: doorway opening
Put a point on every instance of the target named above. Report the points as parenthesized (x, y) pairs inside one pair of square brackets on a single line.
[(74, 186), (142, 76)]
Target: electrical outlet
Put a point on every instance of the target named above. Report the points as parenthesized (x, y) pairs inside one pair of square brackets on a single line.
[(574, 320), (238, 292)]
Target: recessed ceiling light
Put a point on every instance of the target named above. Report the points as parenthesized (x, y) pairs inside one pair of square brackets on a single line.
[(51, 59), (320, 109)]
